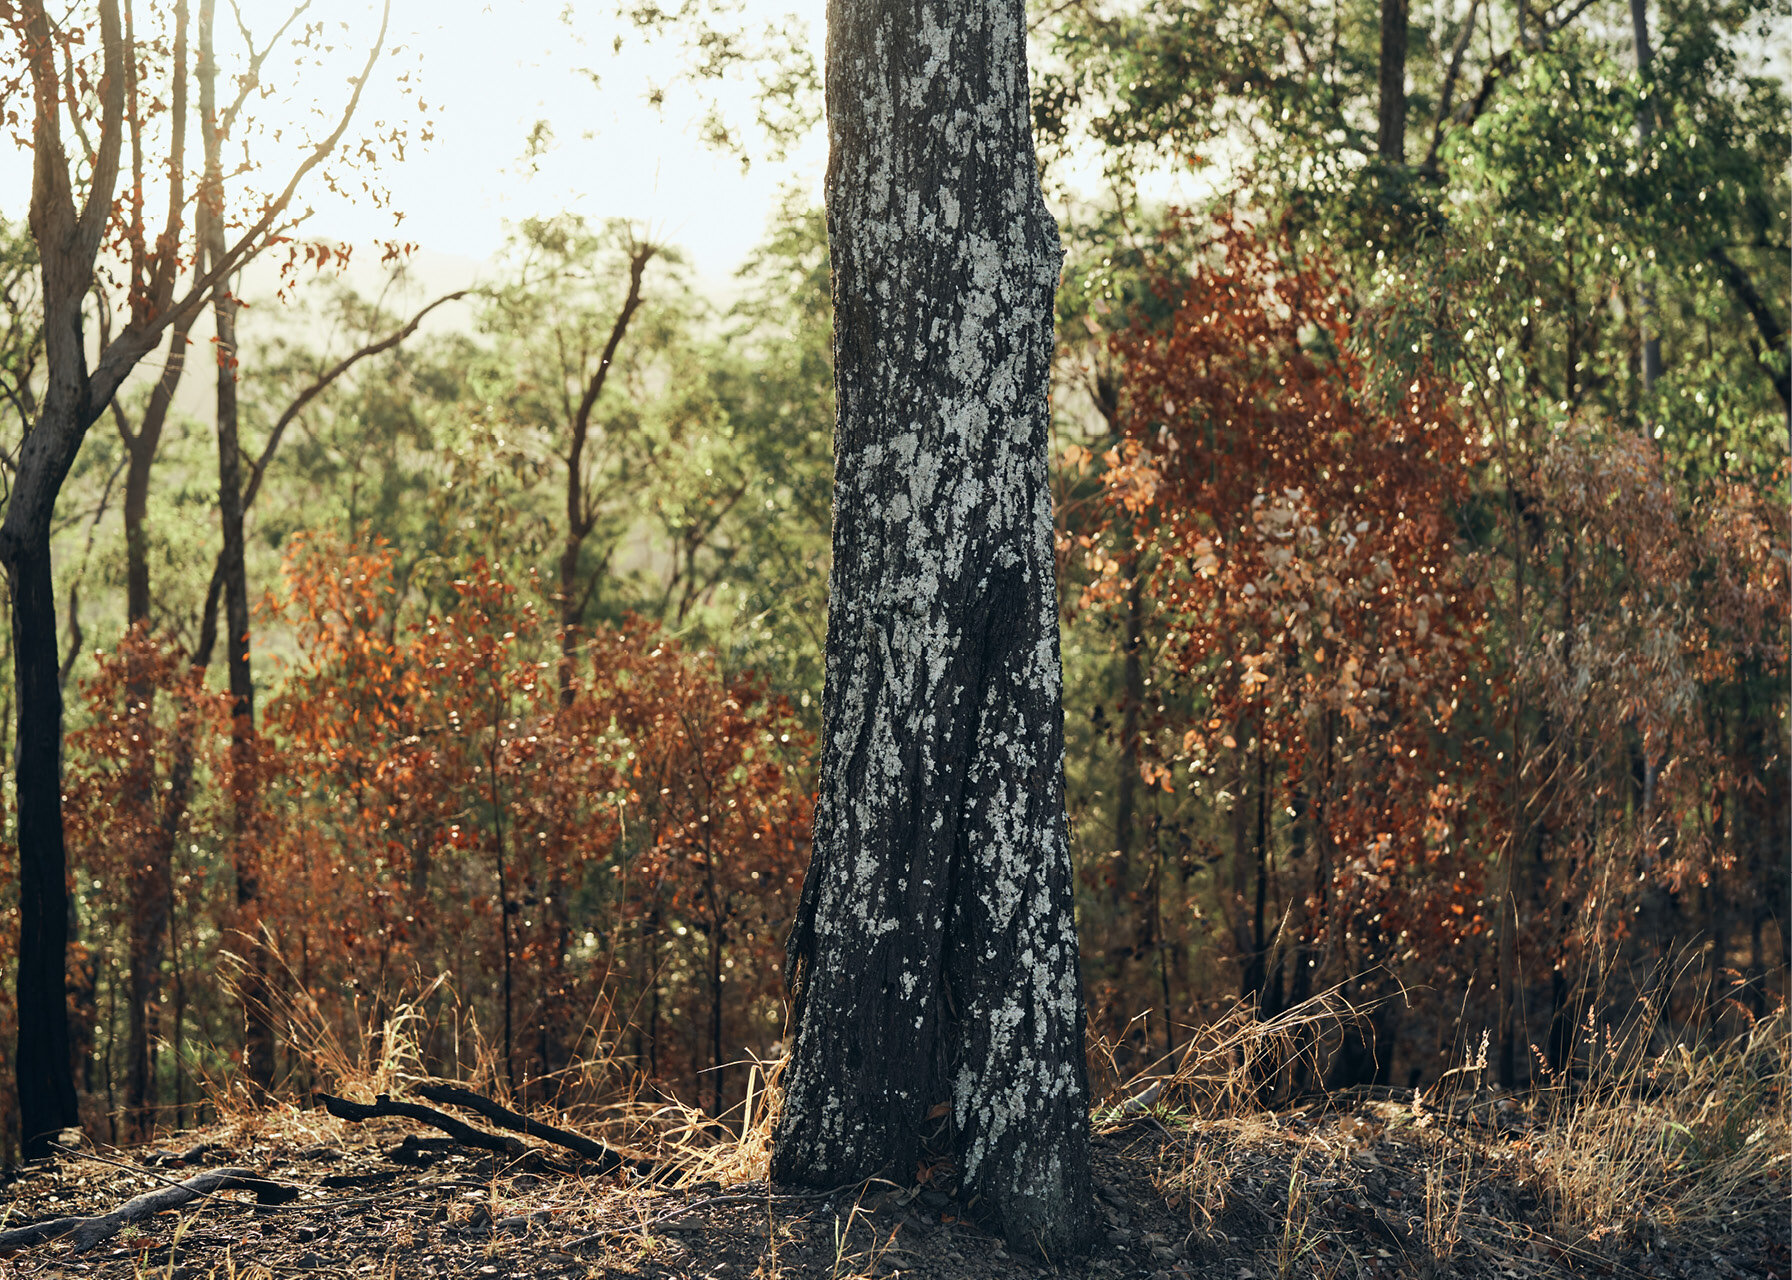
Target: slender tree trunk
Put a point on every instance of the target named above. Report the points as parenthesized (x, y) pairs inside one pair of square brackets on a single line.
[(580, 516), (1390, 131), (1260, 851), (493, 758), (258, 1033), (934, 955), (151, 890), (46, 1081), (1126, 786), (141, 448), (151, 883), (716, 1058), (1645, 128)]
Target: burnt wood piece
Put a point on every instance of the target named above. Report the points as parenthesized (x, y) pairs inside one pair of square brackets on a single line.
[(607, 1158), (462, 1132), (88, 1232)]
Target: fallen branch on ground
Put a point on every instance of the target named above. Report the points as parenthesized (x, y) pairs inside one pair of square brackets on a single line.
[(459, 1130), (88, 1232), (608, 1160)]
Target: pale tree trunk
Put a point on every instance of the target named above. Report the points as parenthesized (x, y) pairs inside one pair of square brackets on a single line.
[(934, 958)]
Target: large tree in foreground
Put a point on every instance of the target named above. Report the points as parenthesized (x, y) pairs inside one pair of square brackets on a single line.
[(933, 962)]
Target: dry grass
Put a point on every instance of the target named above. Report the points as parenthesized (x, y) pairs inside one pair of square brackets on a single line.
[(1230, 1065), (1692, 1138), (1641, 1146), (1643, 1143)]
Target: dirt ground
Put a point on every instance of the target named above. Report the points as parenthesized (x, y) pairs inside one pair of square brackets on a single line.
[(1372, 1189)]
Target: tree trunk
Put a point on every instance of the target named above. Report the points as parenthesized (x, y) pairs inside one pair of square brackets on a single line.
[(151, 891), (1126, 786), (1645, 126), (141, 448), (46, 1081), (934, 958), (1390, 133), (68, 241), (152, 880), (258, 1042), (580, 517)]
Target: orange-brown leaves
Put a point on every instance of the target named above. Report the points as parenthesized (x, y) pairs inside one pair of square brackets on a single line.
[(1319, 623), (644, 834)]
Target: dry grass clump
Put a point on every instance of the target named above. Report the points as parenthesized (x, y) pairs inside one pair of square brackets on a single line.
[(1690, 1139), (1641, 1146), (692, 1146), (1233, 1064), (386, 1047)]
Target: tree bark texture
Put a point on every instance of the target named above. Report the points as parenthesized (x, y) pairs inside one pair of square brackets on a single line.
[(933, 962)]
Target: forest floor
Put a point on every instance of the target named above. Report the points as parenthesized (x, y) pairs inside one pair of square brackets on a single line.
[(1370, 1186)]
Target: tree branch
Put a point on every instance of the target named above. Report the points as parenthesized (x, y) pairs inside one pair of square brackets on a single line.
[(459, 1130), (1772, 332), (116, 362), (88, 1232), (208, 620), (1447, 94)]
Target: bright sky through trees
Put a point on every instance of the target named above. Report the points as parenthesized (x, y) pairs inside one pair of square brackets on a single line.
[(487, 73)]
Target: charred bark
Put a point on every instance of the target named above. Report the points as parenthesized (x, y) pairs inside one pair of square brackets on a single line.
[(933, 960), (45, 1082)]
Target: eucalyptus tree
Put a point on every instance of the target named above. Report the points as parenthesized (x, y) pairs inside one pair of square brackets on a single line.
[(933, 963)]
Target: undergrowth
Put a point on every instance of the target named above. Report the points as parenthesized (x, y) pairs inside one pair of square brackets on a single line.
[(1643, 1140)]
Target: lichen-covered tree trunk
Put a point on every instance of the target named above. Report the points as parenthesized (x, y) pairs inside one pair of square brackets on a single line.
[(934, 958)]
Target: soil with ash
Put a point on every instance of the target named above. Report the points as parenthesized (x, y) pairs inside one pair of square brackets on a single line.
[(1365, 1190)]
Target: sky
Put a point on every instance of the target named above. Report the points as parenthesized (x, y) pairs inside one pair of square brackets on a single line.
[(488, 72)]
